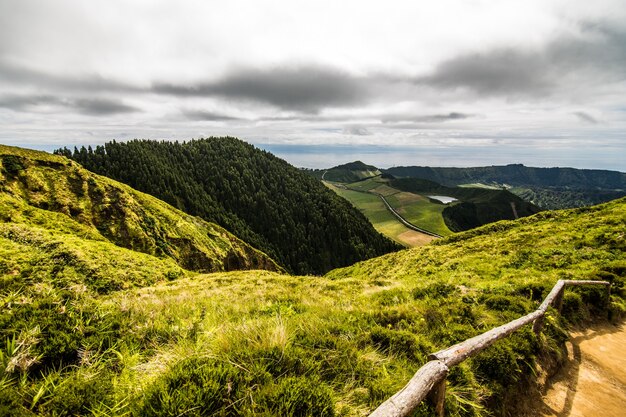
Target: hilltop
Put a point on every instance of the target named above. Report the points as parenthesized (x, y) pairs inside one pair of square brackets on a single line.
[(262, 199), (350, 172)]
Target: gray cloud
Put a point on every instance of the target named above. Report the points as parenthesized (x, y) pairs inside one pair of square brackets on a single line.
[(585, 117), (356, 130), (27, 102), (597, 58), (303, 88), (22, 76), (203, 115), (89, 106), (101, 106)]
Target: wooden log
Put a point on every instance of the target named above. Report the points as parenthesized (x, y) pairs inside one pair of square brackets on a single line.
[(429, 380), (578, 282), (406, 400), (547, 302), (461, 351)]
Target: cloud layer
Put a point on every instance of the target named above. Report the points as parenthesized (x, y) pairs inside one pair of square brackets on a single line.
[(546, 75)]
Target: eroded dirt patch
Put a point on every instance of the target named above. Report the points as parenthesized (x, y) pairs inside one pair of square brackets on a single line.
[(593, 381)]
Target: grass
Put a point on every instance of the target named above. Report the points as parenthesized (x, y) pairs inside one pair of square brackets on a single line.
[(421, 211), (91, 328), (416, 209), (47, 191), (380, 217), (264, 343)]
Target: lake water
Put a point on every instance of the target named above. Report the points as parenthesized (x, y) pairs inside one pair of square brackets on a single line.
[(442, 198)]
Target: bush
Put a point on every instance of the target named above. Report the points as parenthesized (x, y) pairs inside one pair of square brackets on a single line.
[(401, 343), (79, 393), (197, 387), (505, 303), (302, 397), (433, 290), (574, 309), (497, 364)]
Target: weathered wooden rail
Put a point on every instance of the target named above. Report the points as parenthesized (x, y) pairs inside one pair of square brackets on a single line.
[(430, 380)]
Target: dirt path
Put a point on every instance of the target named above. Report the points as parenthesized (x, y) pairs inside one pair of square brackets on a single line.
[(593, 382)]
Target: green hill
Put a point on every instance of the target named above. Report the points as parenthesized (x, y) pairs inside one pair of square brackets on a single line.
[(262, 343), (262, 199), (350, 172), (550, 188), (46, 198)]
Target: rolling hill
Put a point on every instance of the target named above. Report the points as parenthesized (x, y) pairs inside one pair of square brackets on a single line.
[(262, 199), (350, 172)]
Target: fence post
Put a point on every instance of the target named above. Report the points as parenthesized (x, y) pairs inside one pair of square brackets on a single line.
[(558, 301), (538, 325), (437, 397)]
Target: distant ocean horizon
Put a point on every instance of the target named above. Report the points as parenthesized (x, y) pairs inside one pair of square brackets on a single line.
[(386, 156)]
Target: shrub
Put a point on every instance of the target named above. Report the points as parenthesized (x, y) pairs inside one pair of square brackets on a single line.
[(302, 397), (401, 343), (497, 364), (196, 387), (573, 309), (505, 303), (433, 290), (79, 393)]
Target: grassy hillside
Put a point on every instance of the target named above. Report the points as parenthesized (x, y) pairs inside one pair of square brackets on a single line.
[(263, 343), (381, 218), (43, 191), (262, 199)]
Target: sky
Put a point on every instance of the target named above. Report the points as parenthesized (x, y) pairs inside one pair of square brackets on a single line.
[(319, 83)]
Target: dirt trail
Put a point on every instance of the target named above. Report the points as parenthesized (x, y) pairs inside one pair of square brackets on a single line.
[(593, 381)]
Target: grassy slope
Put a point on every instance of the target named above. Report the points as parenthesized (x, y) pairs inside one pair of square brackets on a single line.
[(261, 343), (43, 191), (421, 211), (415, 208), (382, 220)]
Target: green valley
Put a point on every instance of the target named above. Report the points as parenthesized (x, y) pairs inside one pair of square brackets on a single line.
[(428, 207)]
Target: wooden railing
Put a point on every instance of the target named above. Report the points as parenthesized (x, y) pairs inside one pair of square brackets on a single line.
[(430, 380)]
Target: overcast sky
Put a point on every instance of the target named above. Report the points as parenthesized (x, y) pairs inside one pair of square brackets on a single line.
[(460, 83)]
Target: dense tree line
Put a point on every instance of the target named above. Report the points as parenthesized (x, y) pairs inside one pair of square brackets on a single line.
[(262, 199)]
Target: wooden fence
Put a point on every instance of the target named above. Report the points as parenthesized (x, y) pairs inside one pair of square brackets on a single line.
[(430, 380)]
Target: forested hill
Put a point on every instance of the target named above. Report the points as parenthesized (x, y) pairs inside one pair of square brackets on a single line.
[(351, 172), (262, 199), (517, 175)]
